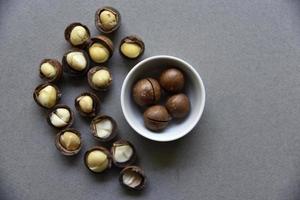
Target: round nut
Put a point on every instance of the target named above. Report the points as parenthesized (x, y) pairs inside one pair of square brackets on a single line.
[(75, 62), (46, 95), (77, 34), (99, 78), (97, 159), (132, 47), (68, 141), (87, 104), (172, 80), (104, 128), (133, 178), (156, 118), (50, 70), (100, 49), (178, 105), (123, 153), (107, 19), (146, 91), (61, 116)]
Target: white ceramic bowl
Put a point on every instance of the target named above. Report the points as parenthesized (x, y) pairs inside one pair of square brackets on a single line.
[(194, 89)]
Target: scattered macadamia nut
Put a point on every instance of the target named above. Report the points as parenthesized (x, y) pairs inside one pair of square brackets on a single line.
[(99, 78), (46, 95), (68, 141), (75, 62), (87, 104), (103, 128), (100, 49), (178, 105), (123, 153), (107, 19), (156, 118), (77, 34), (50, 70), (132, 47), (172, 80), (61, 116), (146, 91), (97, 159), (133, 178)]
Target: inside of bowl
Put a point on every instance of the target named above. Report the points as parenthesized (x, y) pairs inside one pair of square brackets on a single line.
[(152, 68)]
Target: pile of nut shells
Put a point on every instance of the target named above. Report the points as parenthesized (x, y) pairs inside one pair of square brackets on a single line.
[(148, 92), (86, 59)]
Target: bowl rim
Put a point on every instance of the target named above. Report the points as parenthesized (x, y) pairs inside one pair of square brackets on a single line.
[(202, 103)]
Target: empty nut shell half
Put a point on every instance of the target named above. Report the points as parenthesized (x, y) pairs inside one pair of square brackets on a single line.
[(46, 95), (61, 116), (132, 47), (50, 70), (100, 49), (97, 159), (68, 141), (103, 128), (107, 19), (87, 104), (75, 62), (77, 35), (146, 91), (133, 178), (156, 118), (99, 78), (123, 153)]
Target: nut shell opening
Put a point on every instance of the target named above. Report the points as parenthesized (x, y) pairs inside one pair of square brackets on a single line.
[(123, 153), (98, 23), (104, 128), (62, 148), (133, 178)]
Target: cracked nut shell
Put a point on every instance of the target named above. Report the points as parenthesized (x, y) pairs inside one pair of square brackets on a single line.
[(107, 19), (103, 128), (50, 70), (172, 80), (99, 78), (97, 159), (178, 105), (123, 153), (156, 117), (87, 104), (77, 64), (146, 91), (46, 95), (133, 178), (68, 141), (77, 39), (104, 42), (59, 118), (132, 47)]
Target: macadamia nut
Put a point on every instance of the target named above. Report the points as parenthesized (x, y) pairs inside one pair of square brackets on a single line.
[(86, 103), (131, 50), (60, 117), (97, 161), (101, 78), (78, 35), (108, 19), (48, 70), (70, 141), (77, 61), (47, 96), (98, 53)]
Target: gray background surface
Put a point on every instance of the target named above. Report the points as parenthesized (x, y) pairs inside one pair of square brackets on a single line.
[(247, 144)]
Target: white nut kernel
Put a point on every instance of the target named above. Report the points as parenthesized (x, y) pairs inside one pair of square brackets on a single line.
[(85, 104), (104, 128), (131, 50), (99, 53), (97, 161), (47, 96), (60, 117), (101, 78), (78, 35), (48, 70), (108, 20), (70, 141), (77, 61)]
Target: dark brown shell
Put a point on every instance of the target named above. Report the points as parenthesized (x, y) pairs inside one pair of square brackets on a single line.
[(130, 161), (98, 23), (146, 91), (60, 147), (172, 80), (133, 39), (137, 170), (68, 31), (156, 118), (90, 75), (104, 150), (61, 106), (41, 86), (178, 105), (94, 132), (68, 69), (96, 104), (105, 41), (58, 67)]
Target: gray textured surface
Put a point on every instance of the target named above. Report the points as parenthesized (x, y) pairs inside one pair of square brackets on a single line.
[(247, 145)]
